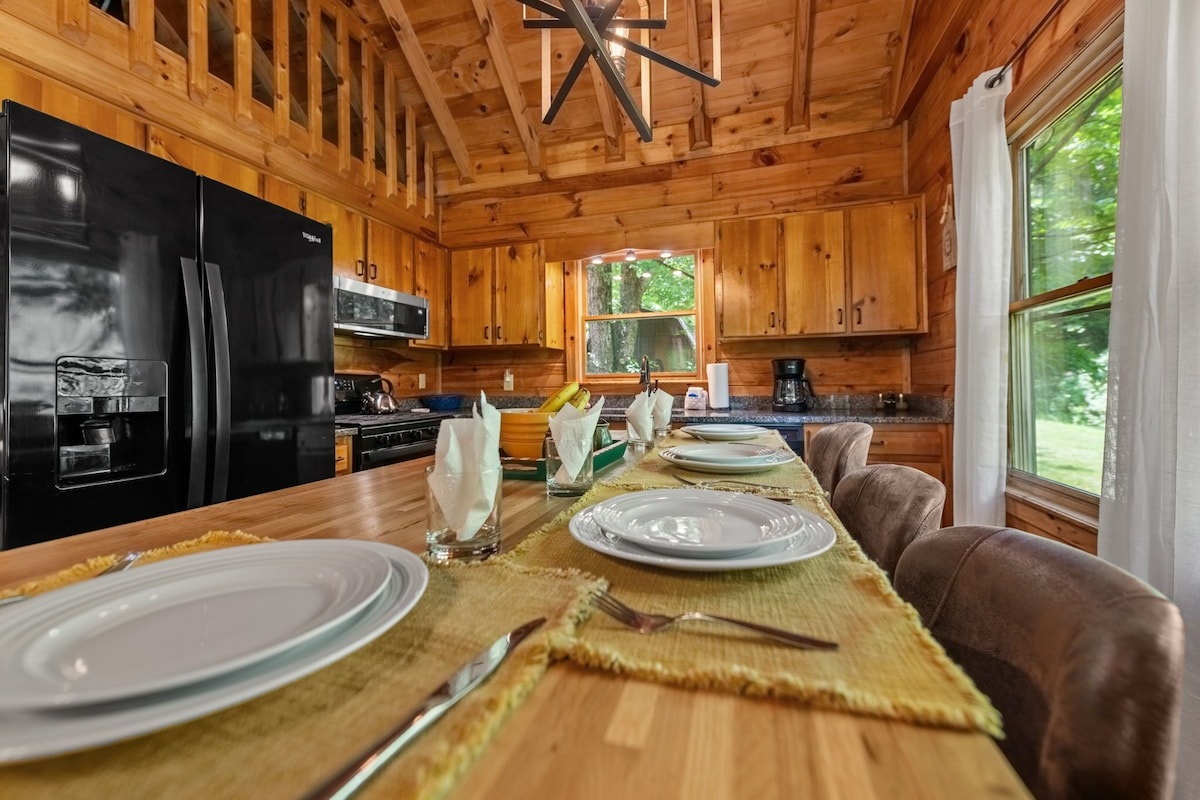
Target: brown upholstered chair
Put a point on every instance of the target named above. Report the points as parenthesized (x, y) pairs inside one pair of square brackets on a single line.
[(836, 450), (885, 506), (1083, 660)]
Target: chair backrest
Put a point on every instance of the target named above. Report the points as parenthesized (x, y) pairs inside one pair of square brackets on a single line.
[(1083, 660), (885, 506), (836, 450)]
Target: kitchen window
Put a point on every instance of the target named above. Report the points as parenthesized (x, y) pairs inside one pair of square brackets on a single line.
[(1066, 188), (639, 303)]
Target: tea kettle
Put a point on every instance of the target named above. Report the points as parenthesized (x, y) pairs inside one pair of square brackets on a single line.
[(380, 401)]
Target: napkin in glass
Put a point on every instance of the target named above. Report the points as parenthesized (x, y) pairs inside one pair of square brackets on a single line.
[(662, 409), (572, 429), (639, 418), (466, 468)]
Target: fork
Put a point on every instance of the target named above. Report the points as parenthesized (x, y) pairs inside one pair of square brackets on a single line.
[(653, 623), (710, 484), (120, 565)]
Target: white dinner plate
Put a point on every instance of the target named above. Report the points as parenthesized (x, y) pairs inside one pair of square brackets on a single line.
[(818, 536), (725, 453), (782, 456), (179, 621), (26, 735), (698, 523), (723, 432)]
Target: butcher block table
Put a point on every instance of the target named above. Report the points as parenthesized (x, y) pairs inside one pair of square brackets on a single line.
[(579, 731)]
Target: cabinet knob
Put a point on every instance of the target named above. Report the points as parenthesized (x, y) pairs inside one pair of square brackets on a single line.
[(486, 332), (840, 316), (498, 336), (858, 313), (772, 319), (360, 267), (374, 271)]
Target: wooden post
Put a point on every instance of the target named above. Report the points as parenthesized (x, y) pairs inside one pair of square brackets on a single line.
[(197, 57), (343, 93), (73, 20), (283, 82), (429, 190), (243, 75), (141, 37), (391, 145), (368, 113), (316, 136), (410, 156)]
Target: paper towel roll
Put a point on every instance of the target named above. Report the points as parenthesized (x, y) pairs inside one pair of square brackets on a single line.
[(718, 386)]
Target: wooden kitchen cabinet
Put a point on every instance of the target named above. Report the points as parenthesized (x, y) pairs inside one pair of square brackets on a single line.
[(431, 280), (924, 446), (342, 455), (841, 272), (365, 249), (505, 296)]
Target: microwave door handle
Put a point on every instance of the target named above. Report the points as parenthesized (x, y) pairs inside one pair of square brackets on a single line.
[(194, 307), (221, 379)]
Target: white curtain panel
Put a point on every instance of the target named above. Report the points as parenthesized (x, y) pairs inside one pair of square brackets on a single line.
[(983, 216), (1150, 502)]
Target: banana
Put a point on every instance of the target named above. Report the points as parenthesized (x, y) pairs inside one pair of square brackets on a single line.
[(559, 400), (580, 399)]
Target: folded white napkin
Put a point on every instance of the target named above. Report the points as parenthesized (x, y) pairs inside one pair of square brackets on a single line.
[(662, 409), (465, 449), (572, 431), (639, 418)]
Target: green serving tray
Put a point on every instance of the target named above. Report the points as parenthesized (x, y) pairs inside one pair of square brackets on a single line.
[(534, 469)]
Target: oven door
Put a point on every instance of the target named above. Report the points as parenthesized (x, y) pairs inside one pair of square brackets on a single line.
[(380, 449)]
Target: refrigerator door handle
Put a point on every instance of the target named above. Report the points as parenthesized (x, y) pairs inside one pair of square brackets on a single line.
[(194, 306), (221, 379)]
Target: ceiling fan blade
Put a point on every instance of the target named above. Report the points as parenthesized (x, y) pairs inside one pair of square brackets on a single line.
[(544, 7), (560, 96), (670, 63), (631, 24), (541, 22), (593, 43)]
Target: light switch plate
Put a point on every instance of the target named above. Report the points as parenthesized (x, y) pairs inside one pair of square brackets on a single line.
[(420, 380)]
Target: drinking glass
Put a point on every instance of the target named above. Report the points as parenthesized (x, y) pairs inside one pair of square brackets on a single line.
[(441, 537), (561, 485)]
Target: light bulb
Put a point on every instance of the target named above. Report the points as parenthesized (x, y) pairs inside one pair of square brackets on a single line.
[(630, 256), (678, 273), (646, 274), (666, 254), (597, 260), (616, 277)]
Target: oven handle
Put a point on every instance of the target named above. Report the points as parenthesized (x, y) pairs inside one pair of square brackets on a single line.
[(390, 455)]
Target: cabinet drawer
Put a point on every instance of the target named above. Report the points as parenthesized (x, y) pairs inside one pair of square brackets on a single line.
[(892, 440)]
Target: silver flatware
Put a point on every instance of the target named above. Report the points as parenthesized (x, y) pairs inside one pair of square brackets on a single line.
[(355, 774), (712, 483), (653, 623), (120, 565)]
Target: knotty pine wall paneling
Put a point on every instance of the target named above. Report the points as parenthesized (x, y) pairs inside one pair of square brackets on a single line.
[(393, 359)]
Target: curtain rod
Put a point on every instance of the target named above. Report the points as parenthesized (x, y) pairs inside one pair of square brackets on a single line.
[(995, 80)]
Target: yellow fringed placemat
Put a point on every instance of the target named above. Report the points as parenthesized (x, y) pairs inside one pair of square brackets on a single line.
[(286, 742), (887, 664)]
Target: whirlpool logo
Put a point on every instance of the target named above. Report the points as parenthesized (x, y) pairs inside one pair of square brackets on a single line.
[(310, 237)]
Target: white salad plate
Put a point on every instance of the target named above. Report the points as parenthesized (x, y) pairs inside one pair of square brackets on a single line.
[(698, 523), (725, 453), (733, 467), (30, 734), (723, 432), (179, 621), (817, 537)]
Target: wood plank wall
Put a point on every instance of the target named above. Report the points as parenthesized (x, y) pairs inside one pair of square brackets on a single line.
[(987, 37)]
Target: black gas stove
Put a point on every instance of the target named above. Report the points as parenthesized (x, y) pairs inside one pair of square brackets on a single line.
[(383, 438)]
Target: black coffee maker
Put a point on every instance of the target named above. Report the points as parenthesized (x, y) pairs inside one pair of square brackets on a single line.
[(793, 392)]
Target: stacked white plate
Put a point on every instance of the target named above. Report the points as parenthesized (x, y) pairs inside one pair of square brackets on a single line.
[(726, 458), (125, 654), (701, 530), (723, 432)]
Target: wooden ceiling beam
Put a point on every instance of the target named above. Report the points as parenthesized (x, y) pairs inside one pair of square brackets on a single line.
[(796, 115), (934, 28), (413, 53), (700, 128), (610, 115), (899, 48), (510, 82)]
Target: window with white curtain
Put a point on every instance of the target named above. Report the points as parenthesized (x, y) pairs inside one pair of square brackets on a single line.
[(1065, 169)]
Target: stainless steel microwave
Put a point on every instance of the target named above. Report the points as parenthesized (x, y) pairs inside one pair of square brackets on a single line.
[(369, 310)]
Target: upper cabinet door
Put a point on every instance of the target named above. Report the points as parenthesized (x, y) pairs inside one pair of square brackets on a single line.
[(887, 272), (472, 289), (349, 250), (748, 254), (430, 280), (520, 294), (815, 280)]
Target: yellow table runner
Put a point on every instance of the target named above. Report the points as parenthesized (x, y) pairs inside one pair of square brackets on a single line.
[(887, 664), (286, 742)]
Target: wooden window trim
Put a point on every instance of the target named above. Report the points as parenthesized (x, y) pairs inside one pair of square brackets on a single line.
[(1079, 507)]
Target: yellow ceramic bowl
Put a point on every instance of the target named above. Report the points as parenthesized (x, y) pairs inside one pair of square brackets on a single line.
[(522, 431)]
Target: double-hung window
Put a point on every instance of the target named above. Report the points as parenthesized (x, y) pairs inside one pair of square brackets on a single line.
[(641, 303), (1066, 187)]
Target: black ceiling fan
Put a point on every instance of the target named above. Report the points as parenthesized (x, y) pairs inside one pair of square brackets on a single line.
[(595, 25)]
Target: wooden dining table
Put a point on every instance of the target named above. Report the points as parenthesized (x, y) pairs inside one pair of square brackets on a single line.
[(585, 733)]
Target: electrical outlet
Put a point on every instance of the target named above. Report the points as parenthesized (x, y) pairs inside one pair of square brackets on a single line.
[(420, 380), (508, 380)]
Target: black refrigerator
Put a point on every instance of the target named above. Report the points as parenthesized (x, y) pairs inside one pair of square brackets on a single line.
[(168, 339)]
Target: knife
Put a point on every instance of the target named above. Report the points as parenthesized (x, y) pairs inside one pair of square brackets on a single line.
[(350, 779)]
